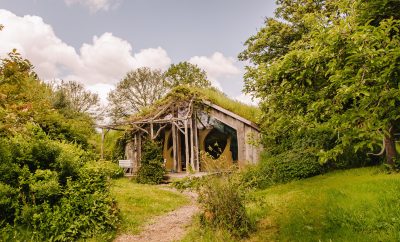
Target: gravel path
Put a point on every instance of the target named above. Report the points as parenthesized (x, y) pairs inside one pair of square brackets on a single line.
[(165, 228)]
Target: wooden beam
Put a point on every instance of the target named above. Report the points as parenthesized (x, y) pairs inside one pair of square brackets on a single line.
[(174, 146), (192, 144), (177, 126), (151, 131), (196, 143), (159, 130), (139, 150), (135, 152), (179, 151), (186, 146), (103, 137)]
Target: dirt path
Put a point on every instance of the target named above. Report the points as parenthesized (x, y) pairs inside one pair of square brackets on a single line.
[(165, 228)]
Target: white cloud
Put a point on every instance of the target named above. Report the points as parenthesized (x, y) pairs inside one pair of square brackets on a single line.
[(102, 90), (95, 5), (245, 98), (217, 66), (105, 60), (156, 58), (99, 64)]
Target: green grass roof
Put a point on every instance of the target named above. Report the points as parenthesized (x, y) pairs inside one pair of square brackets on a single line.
[(182, 93)]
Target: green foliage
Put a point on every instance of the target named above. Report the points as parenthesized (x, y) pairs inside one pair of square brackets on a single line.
[(48, 189), (44, 186), (151, 170), (8, 203), (185, 73), (293, 165), (330, 65), (223, 206), (106, 168), (80, 213)]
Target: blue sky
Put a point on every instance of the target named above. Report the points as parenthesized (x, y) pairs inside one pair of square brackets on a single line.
[(98, 41)]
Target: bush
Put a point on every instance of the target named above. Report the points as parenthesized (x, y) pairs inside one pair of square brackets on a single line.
[(223, 206), (44, 186), (151, 170), (8, 203), (292, 165), (287, 166), (104, 168), (255, 176), (81, 213)]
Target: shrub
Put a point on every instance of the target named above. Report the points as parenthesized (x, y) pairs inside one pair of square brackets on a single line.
[(292, 165), (104, 168), (8, 203), (44, 186), (70, 160), (284, 167), (79, 214), (255, 176), (151, 169), (223, 206)]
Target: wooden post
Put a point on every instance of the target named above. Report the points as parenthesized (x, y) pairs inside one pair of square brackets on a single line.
[(186, 146), (151, 131), (135, 153), (196, 143), (179, 150), (139, 150), (192, 145), (174, 152)]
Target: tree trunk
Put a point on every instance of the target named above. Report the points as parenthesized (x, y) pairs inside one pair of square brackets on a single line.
[(390, 147)]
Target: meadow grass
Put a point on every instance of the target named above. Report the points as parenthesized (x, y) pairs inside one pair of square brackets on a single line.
[(352, 205), (138, 203)]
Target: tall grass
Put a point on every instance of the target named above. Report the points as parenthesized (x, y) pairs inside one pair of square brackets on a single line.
[(249, 112)]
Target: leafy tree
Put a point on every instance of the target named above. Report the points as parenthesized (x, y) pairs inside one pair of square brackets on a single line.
[(72, 96), (139, 88), (185, 73), (329, 64), (48, 190)]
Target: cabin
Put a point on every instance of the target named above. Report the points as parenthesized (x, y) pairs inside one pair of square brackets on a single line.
[(190, 125)]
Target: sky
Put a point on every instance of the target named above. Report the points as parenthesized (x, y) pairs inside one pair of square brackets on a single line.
[(96, 42)]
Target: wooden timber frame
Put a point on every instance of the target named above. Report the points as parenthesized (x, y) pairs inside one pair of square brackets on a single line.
[(180, 120)]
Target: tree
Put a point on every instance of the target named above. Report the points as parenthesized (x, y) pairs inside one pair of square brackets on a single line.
[(72, 96), (185, 73), (333, 64), (139, 88)]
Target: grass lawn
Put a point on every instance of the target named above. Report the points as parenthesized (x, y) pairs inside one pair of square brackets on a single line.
[(352, 205), (138, 203)]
